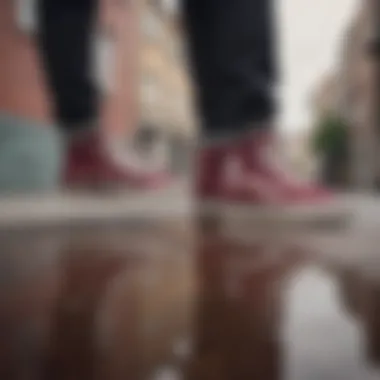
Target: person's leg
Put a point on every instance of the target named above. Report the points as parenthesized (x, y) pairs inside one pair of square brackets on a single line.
[(67, 29), (232, 52)]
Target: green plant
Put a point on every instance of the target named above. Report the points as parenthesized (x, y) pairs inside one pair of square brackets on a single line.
[(331, 136)]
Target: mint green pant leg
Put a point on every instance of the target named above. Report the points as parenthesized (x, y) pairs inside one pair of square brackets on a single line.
[(31, 156)]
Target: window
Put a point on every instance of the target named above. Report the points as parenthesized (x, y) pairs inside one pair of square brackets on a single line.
[(145, 137), (170, 6), (177, 48), (151, 25), (149, 90), (104, 62), (26, 15)]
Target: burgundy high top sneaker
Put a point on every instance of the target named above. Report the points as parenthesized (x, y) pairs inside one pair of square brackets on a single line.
[(274, 184), (244, 175), (220, 177), (90, 165)]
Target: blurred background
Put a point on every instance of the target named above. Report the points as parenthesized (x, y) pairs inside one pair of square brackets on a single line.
[(328, 90)]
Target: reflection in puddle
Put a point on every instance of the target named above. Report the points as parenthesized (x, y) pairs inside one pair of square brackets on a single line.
[(214, 308), (321, 341)]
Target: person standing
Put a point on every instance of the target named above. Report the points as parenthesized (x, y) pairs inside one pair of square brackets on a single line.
[(232, 48)]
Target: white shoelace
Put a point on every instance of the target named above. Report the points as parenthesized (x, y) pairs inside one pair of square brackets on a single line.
[(280, 166)]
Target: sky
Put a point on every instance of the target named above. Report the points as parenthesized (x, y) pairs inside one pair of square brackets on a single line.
[(311, 33)]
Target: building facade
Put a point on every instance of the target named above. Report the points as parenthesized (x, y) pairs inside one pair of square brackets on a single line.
[(167, 123), (357, 92), (350, 93), (326, 97), (23, 89)]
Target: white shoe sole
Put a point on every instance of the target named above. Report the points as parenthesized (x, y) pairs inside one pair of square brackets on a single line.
[(333, 214)]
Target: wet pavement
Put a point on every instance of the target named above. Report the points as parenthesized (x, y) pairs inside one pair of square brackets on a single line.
[(178, 300)]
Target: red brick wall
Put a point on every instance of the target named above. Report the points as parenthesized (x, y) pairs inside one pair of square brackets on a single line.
[(23, 90)]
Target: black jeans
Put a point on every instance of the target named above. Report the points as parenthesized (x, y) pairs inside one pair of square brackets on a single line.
[(231, 46)]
